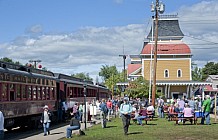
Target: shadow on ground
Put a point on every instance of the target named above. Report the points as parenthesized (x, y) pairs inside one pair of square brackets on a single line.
[(110, 126), (134, 133)]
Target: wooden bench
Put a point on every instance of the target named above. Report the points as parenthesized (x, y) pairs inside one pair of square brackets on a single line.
[(147, 119), (184, 119), (150, 114)]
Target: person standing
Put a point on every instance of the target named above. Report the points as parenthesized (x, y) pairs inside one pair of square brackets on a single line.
[(46, 120), (125, 111), (192, 103), (74, 125), (103, 113), (160, 108), (109, 106), (181, 104), (80, 111), (1, 126), (206, 109)]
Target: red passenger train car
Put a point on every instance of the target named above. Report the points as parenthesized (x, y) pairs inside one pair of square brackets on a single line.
[(24, 91), (72, 90)]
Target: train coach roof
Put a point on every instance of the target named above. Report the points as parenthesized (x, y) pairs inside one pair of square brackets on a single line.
[(25, 73), (25, 68), (71, 79)]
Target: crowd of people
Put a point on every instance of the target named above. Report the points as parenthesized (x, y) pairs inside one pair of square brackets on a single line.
[(127, 108)]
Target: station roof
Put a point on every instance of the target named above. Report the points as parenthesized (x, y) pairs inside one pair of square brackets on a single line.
[(180, 48), (168, 28), (133, 67)]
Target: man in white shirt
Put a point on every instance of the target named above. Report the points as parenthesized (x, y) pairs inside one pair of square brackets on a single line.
[(1, 126), (150, 108)]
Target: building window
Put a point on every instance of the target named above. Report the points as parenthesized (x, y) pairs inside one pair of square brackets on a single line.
[(166, 73), (179, 73)]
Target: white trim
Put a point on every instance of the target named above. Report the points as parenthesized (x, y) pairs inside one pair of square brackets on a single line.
[(168, 42), (136, 71), (167, 59), (170, 54), (190, 74), (182, 83), (143, 66), (134, 75), (168, 93)]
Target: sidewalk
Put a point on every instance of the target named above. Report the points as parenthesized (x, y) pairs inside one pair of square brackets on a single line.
[(60, 132)]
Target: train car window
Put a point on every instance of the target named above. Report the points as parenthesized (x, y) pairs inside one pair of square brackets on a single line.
[(11, 92), (52, 84), (4, 92), (33, 80), (7, 77), (39, 93), (29, 92), (47, 93), (80, 92), (23, 79), (1, 76), (17, 90), (23, 91), (43, 93), (52, 93), (38, 80), (43, 81), (34, 93), (71, 92), (28, 80)]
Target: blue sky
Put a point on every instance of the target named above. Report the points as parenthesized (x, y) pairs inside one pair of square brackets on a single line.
[(57, 16), (71, 36)]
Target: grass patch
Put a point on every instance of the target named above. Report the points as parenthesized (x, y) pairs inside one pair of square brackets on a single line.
[(159, 129)]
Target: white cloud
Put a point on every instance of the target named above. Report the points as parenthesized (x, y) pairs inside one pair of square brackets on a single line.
[(199, 24), (87, 49), (35, 29), (83, 51)]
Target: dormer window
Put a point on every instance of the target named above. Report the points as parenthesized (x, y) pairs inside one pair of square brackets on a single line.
[(179, 73), (166, 73)]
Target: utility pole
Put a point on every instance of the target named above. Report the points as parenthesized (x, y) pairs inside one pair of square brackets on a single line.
[(124, 64), (157, 8)]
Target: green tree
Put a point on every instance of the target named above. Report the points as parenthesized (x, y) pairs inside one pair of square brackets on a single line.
[(6, 59), (138, 88), (210, 68), (106, 71), (82, 75), (111, 82), (196, 73)]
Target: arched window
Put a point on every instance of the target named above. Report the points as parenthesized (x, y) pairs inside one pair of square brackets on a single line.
[(179, 73), (166, 73)]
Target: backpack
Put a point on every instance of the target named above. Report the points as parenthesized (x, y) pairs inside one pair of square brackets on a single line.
[(104, 109)]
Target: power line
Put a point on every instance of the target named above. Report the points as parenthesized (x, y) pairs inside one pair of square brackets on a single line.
[(167, 29)]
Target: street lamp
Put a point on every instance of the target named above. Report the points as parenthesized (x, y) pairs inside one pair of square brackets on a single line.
[(158, 8), (35, 61), (84, 90)]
